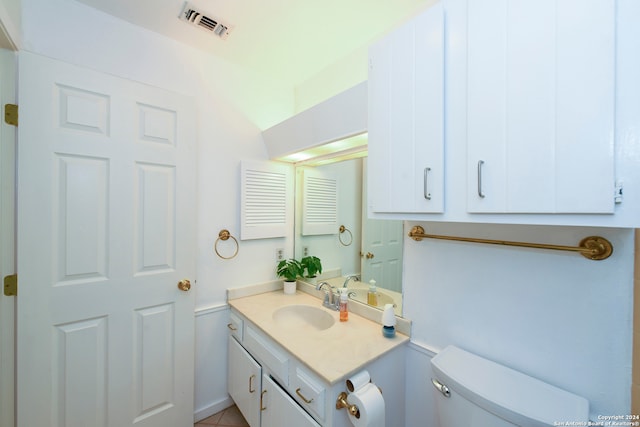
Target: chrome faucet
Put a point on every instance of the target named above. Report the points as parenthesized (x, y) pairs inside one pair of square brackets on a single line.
[(329, 297), (354, 278)]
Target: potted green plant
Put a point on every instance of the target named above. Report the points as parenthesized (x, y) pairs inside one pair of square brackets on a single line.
[(289, 270), (313, 266)]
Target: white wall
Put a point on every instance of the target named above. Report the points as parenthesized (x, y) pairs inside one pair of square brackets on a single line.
[(556, 316), (70, 31), (233, 105), (210, 394), (10, 22)]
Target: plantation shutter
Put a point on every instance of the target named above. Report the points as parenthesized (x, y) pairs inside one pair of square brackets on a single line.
[(267, 200), (319, 203)]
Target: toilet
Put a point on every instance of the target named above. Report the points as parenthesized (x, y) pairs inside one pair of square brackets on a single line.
[(475, 392)]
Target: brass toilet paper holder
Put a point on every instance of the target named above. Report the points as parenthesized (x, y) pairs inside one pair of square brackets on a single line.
[(341, 402)]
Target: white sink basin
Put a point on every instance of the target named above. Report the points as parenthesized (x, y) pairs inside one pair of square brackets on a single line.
[(297, 316)]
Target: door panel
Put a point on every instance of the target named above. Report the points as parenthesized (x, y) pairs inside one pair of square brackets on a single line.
[(155, 218), (105, 338), (80, 218), (154, 330), (80, 360)]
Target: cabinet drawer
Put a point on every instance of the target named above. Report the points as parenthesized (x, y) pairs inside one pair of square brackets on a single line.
[(235, 325), (268, 352), (308, 391)]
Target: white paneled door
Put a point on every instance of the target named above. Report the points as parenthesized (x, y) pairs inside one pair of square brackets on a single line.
[(106, 230)]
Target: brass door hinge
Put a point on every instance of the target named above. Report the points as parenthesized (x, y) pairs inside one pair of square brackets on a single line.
[(11, 285), (11, 114)]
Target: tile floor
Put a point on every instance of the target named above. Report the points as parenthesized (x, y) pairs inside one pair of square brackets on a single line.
[(230, 417)]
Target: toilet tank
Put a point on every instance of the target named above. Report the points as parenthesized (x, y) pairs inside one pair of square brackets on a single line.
[(476, 392)]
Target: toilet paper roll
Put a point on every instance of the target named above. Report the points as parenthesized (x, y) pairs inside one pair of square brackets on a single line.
[(357, 381), (370, 405)]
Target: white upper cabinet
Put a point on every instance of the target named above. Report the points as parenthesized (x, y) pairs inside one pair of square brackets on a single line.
[(406, 117), (540, 106)]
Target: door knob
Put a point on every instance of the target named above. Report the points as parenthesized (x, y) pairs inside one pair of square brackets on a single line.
[(369, 255), (184, 285)]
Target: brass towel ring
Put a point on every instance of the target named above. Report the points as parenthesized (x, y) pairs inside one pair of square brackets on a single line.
[(342, 230), (224, 235)]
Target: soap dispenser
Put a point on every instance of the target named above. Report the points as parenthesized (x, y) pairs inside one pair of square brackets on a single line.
[(344, 301), (372, 295), (388, 321)]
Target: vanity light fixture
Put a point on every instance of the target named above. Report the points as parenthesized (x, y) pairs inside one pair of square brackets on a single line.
[(352, 147)]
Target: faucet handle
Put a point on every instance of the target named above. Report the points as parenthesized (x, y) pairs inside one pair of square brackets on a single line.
[(326, 298)]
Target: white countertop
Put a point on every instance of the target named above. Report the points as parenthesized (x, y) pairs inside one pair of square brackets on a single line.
[(333, 353)]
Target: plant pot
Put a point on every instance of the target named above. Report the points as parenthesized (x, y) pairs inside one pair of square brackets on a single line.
[(289, 287), (312, 280)]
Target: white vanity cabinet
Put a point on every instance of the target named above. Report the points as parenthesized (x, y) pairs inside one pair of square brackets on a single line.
[(272, 388), (258, 388), (406, 117), (259, 398), (540, 106)]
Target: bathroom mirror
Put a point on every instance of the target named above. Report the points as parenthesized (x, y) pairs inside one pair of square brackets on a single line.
[(371, 249)]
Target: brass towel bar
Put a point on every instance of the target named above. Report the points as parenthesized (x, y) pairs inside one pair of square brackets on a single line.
[(592, 247)]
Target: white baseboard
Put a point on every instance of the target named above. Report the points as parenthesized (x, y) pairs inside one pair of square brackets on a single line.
[(211, 409)]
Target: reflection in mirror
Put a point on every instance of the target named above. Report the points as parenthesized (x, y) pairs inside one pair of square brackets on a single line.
[(370, 249)]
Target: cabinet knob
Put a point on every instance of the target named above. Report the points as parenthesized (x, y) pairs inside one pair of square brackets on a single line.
[(369, 255)]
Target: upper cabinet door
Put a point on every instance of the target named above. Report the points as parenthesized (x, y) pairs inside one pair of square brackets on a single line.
[(406, 117), (540, 111)]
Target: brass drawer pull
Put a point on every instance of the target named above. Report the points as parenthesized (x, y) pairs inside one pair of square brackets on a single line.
[(262, 408), (302, 397), (251, 384), (230, 326)]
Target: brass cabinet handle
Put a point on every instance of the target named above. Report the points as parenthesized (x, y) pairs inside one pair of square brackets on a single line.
[(302, 397), (231, 326), (184, 285), (369, 255), (262, 408), (251, 384)]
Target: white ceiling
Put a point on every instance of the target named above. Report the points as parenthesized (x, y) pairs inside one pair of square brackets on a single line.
[(289, 40)]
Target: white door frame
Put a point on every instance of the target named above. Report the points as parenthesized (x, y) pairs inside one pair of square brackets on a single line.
[(7, 239)]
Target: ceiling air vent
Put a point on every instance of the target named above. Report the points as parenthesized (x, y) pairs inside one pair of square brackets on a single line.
[(205, 22)]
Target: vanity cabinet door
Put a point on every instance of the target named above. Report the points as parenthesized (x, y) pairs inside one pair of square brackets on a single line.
[(540, 106), (244, 382), (278, 409), (406, 117)]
